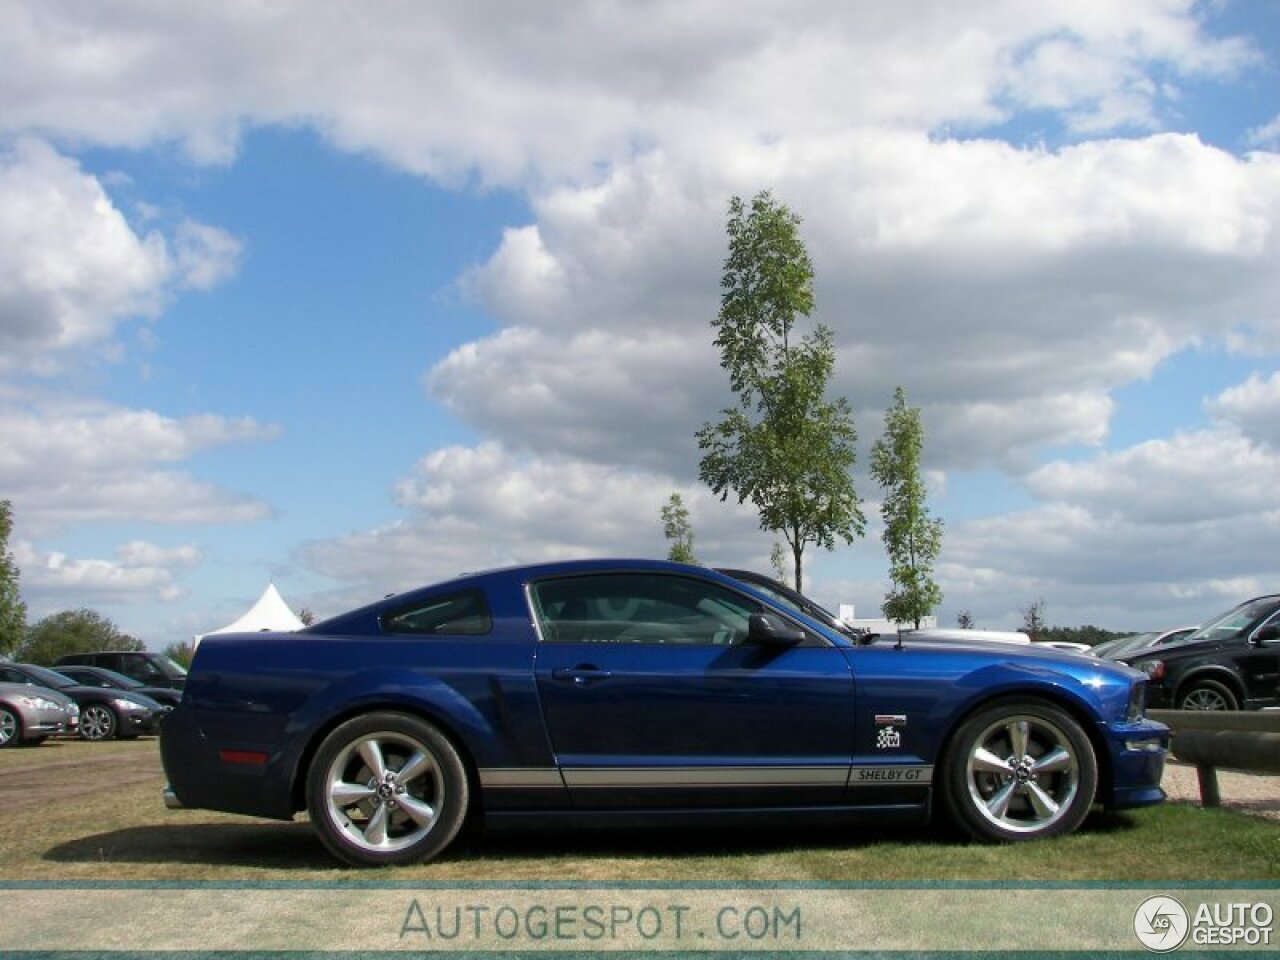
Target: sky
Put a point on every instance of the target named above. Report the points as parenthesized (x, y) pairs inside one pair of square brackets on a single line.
[(354, 297)]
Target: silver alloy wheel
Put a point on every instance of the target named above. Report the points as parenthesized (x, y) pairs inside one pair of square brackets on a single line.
[(1204, 698), (8, 728), (97, 722), (384, 791), (1023, 774)]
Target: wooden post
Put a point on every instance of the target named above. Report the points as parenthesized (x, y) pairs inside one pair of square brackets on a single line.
[(1209, 795)]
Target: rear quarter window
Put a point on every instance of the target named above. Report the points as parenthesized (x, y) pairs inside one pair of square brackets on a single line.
[(459, 614)]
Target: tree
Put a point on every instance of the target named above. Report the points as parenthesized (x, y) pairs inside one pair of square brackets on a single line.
[(678, 530), (13, 612), (1033, 619), (180, 652), (778, 561), (784, 446), (74, 631), (306, 616), (964, 620), (911, 537)]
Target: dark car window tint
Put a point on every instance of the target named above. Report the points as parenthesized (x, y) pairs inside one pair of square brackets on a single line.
[(459, 614), (141, 668), (641, 608)]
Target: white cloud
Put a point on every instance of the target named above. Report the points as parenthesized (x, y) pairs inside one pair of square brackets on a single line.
[(1009, 289), (1253, 407), (1267, 135), (63, 462), (479, 507), (554, 90), (72, 268), (141, 573)]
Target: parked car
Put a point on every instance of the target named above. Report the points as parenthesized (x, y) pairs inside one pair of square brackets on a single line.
[(32, 716), (104, 713), (152, 669), (637, 692), (1133, 644), (102, 677), (1231, 663)]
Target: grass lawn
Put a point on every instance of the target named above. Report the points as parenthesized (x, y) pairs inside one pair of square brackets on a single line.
[(79, 811)]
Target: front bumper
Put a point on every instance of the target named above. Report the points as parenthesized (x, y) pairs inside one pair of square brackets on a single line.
[(1138, 751)]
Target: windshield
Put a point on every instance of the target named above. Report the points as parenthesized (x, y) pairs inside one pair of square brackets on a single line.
[(117, 680), (1242, 619), (50, 678), (169, 667)]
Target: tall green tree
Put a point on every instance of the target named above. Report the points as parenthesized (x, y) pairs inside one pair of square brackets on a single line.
[(911, 537), (678, 530), (784, 446), (74, 631), (13, 612)]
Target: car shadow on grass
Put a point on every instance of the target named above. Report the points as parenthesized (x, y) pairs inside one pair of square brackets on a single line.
[(264, 844), (293, 847)]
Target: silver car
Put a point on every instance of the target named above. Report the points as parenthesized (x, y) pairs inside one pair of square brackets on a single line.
[(29, 714)]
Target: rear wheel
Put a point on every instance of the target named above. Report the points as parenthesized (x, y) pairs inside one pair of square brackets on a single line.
[(1208, 695), (10, 728), (386, 788), (1019, 770), (98, 722)]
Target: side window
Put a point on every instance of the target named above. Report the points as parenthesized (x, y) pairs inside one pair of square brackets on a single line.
[(140, 668), (459, 614), (641, 608), (112, 661), (12, 676)]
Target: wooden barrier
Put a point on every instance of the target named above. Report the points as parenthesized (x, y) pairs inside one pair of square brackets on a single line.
[(1209, 739)]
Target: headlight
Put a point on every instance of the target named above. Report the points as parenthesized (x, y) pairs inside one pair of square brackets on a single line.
[(122, 704), (73, 708), (37, 703)]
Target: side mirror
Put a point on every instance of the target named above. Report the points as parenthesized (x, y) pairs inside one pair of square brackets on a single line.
[(1267, 636), (770, 629)]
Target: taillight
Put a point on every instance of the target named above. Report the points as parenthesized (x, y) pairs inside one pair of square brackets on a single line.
[(1154, 669)]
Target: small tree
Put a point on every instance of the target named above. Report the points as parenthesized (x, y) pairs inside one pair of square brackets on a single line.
[(74, 631), (180, 652), (1033, 619), (911, 537), (784, 447), (678, 530), (306, 616), (965, 620), (13, 612), (778, 561)]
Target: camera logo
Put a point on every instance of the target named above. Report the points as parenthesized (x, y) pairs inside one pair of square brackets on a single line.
[(1161, 923)]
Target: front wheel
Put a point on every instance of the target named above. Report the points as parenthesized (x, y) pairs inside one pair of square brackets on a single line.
[(98, 722), (1207, 695), (10, 728), (1019, 770), (386, 788)]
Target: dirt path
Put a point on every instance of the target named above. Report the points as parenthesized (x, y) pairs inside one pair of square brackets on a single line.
[(58, 771)]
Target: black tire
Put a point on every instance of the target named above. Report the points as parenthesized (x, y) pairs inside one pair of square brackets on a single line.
[(10, 728), (1207, 695), (99, 722), (367, 817), (1019, 770)]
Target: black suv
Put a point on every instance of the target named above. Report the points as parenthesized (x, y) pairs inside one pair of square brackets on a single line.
[(1231, 663), (152, 669)]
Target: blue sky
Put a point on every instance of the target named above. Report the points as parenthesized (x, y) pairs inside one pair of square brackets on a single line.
[(361, 298)]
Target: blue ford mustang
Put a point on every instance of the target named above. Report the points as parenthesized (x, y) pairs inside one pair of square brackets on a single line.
[(646, 691)]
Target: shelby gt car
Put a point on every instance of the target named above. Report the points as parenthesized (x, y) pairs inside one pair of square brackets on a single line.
[(639, 692)]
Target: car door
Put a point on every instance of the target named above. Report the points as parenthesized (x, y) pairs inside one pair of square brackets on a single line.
[(653, 696), (1258, 661)]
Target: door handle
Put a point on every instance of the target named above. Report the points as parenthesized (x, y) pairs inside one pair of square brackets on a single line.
[(581, 675)]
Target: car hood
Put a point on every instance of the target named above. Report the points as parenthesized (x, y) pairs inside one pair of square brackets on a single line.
[(110, 693), (1027, 654)]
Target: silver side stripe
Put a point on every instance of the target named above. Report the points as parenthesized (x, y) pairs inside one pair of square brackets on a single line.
[(798, 776), (705, 776), (500, 777)]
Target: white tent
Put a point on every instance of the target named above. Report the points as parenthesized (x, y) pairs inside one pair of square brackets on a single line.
[(269, 613)]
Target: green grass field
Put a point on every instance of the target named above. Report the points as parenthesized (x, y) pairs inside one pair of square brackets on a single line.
[(81, 811)]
